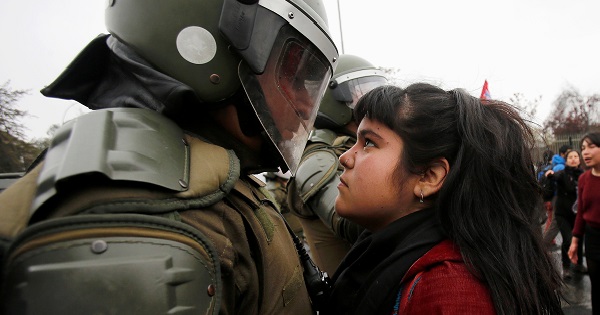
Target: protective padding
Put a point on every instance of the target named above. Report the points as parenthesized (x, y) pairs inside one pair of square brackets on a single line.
[(99, 264), (316, 169), (128, 144)]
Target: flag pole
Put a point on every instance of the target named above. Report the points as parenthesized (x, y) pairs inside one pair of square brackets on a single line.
[(340, 21)]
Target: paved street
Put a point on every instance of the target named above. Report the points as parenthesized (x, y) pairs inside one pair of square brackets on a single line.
[(577, 291), (578, 296)]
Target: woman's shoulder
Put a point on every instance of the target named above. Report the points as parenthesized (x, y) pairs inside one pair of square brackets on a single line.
[(585, 176), (443, 262), (440, 280), (588, 177)]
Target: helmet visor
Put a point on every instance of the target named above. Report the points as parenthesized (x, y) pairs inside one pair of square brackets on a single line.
[(352, 90), (286, 95)]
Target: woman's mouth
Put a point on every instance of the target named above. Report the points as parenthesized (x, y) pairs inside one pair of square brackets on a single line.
[(342, 182)]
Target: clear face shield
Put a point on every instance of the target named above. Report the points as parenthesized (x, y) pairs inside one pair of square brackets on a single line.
[(286, 95), (353, 86)]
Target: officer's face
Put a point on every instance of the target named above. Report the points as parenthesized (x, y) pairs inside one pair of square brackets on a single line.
[(285, 96), (285, 116), (291, 100)]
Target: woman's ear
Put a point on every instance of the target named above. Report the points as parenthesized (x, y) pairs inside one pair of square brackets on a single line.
[(432, 178)]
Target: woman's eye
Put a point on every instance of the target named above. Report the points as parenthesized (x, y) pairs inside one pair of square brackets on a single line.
[(368, 143)]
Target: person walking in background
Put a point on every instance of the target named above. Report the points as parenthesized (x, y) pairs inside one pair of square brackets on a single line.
[(558, 160), (443, 182), (547, 187), (566, 195), (312, 192), (587, 221), (558, 164)]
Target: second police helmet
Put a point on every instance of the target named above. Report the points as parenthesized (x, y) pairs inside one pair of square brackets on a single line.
[(353, 77), (279, 51)]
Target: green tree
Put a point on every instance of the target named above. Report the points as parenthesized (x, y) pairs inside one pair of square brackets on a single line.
[(16, 154)]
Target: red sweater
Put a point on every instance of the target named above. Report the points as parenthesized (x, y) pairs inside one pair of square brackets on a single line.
[(588, 203), (439, 283)]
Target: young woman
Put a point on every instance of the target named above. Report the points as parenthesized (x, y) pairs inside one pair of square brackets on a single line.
[(566, 194), (443, 182), (587, 221)]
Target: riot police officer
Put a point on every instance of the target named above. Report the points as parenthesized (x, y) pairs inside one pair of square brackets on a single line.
[(312, 193), (146, 204), (276, 184)]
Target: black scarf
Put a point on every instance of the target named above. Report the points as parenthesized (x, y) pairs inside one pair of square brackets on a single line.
[(368, 279)]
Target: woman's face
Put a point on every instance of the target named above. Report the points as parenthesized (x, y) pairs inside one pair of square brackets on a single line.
[(367, 193), (590, 153), (573, 159)]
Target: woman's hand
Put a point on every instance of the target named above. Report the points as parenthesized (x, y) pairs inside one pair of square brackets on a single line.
[(549, 172), (573, 249)]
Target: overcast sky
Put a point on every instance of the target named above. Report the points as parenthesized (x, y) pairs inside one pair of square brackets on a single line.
[(533, 47)]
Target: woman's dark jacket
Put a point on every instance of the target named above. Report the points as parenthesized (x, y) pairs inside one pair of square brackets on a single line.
[(566, 190), (368, 279)]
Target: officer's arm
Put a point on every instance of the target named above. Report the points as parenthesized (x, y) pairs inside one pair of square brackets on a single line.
[(323, 205), (314, 191)]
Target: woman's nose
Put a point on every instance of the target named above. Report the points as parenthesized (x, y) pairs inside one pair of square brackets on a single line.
[(346, 159)]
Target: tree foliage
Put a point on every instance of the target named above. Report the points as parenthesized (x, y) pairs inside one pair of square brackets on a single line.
[(527, 107), (9, 114), (573, 113), (392, 74), (16, 154)]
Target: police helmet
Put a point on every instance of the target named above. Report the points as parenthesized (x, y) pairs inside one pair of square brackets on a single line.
[(353, 77), (279, 51)]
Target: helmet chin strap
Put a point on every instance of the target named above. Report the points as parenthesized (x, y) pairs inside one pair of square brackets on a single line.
[(251, 126), (271, 155), (247, 119)]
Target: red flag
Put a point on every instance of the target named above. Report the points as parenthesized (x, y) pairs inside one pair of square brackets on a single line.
[(485, 92)]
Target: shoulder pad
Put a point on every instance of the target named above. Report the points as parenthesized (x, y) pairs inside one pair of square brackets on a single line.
[(322, 135), (214, 171), (131, 264), (344, 141), (316, 169), (121, 143), (134, 146)]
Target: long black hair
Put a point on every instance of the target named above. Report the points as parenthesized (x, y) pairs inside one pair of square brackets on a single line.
[(488, 203)]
